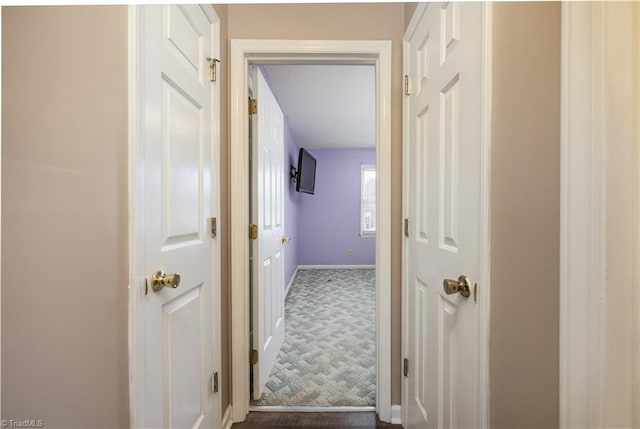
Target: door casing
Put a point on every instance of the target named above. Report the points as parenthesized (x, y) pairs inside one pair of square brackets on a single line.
[(242, 53), (484, 280), (137, 355), (599, 291)]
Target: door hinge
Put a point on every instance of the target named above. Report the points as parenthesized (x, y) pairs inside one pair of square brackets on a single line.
[(253, 232), (406, 367), (406, 85), (253, 106), (406, 227), (214, 227), (212, 68), (253, 357), (214, 382)]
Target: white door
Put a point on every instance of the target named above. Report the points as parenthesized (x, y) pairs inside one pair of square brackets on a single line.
[(177, 152), (443, 196), (268, 214)]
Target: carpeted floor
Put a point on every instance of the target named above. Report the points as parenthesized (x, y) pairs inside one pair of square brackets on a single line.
[(329, 353)]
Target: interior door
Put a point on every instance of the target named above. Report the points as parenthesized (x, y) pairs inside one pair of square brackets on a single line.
[(444, 125), (176, 156), (268, 214)]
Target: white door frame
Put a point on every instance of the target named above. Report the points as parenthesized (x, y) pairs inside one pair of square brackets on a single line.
[(484, 280), (243, 52), (591, 39), (137, 357)]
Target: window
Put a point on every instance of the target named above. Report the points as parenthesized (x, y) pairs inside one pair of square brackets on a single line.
[(367, 200)]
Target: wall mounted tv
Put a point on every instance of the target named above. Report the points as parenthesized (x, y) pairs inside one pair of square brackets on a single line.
[(306, 173)]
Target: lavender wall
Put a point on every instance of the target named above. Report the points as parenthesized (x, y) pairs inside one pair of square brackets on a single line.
[(329, 220), (291, 202), (324, 226)]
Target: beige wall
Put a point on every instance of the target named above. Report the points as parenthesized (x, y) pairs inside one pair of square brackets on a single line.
[(409, 9), (64, 216), (525, 215), (383, 21), (64, 327)]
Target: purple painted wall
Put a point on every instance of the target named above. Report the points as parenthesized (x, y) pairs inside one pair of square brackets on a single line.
[(291, 202), (324, 226), (329, 220)]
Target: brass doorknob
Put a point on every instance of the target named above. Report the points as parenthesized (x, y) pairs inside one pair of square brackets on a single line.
[(453, 286), (160, 280), (285, 239)]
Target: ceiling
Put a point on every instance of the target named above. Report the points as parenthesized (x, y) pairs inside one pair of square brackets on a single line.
[(327, 106)]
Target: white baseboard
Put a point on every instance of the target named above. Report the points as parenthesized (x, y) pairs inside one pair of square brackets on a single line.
[(288, 288), (335, 267), (227, 419), (330, 267), (396, 414)]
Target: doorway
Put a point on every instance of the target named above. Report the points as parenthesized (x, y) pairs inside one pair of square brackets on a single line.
[(243, 53), (313, 199)]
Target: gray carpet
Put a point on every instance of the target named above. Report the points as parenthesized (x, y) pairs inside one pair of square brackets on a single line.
[(329, 353)]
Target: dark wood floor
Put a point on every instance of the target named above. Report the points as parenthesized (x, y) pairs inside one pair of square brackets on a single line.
[(357, 420)]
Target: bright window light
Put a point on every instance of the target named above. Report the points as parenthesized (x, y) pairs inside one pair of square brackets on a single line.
[(368, 200)]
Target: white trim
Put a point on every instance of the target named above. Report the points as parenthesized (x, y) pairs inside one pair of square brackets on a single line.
[(383, 231), (308, 409), (396, 414), (485, 213), (227, 419), (580, 194), (377, 53), (411, 28), (136, 275), (589, 43), (216, 245), (484, 317), (137, 356), (404, 391), (335, 267)]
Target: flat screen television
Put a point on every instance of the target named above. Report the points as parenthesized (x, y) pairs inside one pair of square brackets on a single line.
[(306, 174)]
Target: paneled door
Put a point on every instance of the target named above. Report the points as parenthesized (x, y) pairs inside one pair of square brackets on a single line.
[(268, 214), (177, 181), (443, 197)]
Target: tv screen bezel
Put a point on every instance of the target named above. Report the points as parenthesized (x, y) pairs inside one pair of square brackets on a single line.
[(303, 152)]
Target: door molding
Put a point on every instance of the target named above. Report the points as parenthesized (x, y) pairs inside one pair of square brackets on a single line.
[(594, 38), (243, 52), (484, 279), (136, 286)]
